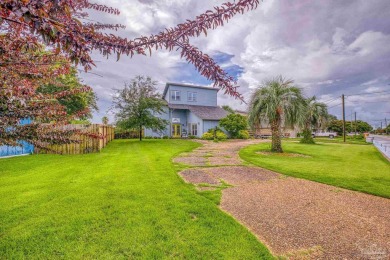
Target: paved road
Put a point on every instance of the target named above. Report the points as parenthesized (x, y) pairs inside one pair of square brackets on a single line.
[(383, 144)]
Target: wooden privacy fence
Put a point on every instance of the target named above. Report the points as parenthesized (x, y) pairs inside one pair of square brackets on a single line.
[(87, 143), (128, 134)]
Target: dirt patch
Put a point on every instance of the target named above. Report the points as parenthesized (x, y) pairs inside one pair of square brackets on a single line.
[(241, 175), (214, 154), (192, 160), (283, 154), (233, 175), (198, 176), (223, 161), (295, 218)]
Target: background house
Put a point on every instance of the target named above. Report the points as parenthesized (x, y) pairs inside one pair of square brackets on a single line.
[(190, 110), (265, 129)]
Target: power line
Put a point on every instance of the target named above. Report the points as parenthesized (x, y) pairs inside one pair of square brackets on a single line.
[(369, 101), (358, 94), (361, 94), (350, 114), (330, 100), (335, 105)]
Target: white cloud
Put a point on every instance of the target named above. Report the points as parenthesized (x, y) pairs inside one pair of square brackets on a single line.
[(370, 42), (329, 48)]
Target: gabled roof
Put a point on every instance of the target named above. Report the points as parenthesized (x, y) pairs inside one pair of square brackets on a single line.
[(186, 85), (209, 113), (178, 106), (203, 112)]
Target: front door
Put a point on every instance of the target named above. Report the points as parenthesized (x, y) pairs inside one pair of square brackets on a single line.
[(176, 130)]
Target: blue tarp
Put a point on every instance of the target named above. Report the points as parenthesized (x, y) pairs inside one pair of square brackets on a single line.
[(26, 147)]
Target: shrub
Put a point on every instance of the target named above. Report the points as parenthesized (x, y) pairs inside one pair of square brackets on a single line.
[(359, 137), (165, 137), (192, 136), (208, 136), (243, 134), (221, 136), (212, 130), (234, 123), (214, 134), (126, 134), (307, 137)]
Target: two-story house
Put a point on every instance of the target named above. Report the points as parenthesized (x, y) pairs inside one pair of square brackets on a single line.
[(190, 110)]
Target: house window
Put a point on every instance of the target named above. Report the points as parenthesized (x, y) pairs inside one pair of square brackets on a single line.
[(192, 96), (194, 129), (175, 95)]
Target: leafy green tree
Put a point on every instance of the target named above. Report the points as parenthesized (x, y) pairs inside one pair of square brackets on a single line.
[(315, 115), (234, 123), (56, 25), (361, 126), (331, 117), (337, 126), (76, 101), (275, 102), (138, 104)]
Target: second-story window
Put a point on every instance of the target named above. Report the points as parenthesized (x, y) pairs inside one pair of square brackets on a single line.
[(192, 96), (175, 95)]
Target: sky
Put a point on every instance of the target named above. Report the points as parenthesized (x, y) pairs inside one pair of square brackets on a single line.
[(328, 48)]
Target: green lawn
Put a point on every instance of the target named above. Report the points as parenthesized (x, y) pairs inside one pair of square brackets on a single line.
[(351, 166), (340, 139), (125, 202)]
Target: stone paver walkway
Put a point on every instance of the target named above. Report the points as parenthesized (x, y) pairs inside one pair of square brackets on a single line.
[(296, 218)]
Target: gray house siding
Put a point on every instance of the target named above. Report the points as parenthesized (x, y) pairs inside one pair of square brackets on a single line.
[(164, 115), (180, 114), (193, 119), (201, 111), (209, 124), (204, 96)]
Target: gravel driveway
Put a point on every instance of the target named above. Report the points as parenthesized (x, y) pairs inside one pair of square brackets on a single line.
[(295, 218)]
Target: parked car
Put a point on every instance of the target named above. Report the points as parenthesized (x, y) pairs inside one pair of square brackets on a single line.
[(266, 136), (324, 134), (262, 136)]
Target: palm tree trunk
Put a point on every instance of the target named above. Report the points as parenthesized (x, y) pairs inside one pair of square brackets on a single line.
[(307, 135), (276, 141)]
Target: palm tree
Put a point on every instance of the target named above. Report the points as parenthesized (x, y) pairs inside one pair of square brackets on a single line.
[(275, 102), (105, 120), (316, 114)]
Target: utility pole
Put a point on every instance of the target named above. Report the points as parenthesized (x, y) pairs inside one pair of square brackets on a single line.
[(351, 123), (342, 97), (355, 125)]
